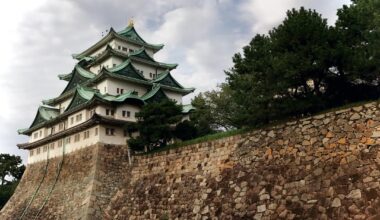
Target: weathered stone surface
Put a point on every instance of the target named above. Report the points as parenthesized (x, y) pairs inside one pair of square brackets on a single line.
[(336, 203), (355, 194), (261, 208), (355, 116)]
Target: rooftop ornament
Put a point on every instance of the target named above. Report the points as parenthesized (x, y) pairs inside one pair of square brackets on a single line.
[(131, 22)]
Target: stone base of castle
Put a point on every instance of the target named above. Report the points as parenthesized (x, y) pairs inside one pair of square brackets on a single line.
[(78, 189)]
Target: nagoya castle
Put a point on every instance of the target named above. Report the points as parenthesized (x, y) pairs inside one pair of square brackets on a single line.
[(110, 83)]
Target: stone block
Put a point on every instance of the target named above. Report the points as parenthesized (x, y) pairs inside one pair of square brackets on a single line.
[(336, 203), (261, 208)]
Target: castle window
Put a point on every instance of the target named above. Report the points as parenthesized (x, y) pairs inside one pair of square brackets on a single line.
[(35, 135), (150, 75), (126, 114), (72, 120), (60, 143), (40, 133), (131, 50), (96, 131), (86, 134), (53, 130), (52, 146), (117, 90), (92, 112), (60, 126), (76, 137), (110, 131), (110, 112), (44, 148), (68, 140), (119, 47), (38, 150), (31, 152), (79, 117), (121, 91)]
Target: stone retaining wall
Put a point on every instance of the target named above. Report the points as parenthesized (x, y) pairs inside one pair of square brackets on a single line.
[(323, 167), (86, 181)]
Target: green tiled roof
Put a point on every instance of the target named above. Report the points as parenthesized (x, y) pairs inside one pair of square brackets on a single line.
[(78, 76), (154, 95), (105, 74), (142, 54), (131, 33), (66, 77), (125, 96), (139, 56), (84, 95), (128, 34), (44, 113), (126, 72), (167, 79), (126, 69)]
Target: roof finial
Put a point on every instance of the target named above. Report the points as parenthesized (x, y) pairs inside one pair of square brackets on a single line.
[(130, 22)]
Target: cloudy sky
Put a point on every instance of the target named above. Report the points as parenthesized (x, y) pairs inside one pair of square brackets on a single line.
[(39, 36)]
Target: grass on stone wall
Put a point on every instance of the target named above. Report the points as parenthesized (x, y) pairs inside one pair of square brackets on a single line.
[(202, 139), (225, 134)]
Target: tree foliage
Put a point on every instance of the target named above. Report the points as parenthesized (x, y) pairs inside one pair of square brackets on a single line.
[(214, 111), (185, 130), (304, 65), (156, 122), (11, 170)]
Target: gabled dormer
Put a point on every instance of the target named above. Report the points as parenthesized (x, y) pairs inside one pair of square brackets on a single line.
[(128, 35), (78, 76)]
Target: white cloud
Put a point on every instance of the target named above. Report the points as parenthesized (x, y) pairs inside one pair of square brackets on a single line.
[(265, 14)]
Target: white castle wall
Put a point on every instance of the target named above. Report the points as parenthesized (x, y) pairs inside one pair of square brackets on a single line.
[(174, 96), (115, 43), (97, 134), (63, 105), (148, 69), (111, 86)]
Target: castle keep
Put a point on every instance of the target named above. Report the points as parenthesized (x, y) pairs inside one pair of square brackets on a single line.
[(110, 82)]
